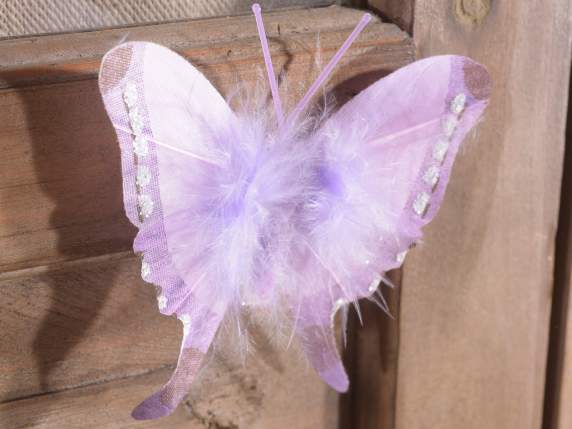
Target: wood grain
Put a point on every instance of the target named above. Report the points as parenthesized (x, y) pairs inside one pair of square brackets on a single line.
[(253, 398), (25, 17), (78, 325), (227, 45), (60, 186), (476, 295), (399, 12), (78, 342)]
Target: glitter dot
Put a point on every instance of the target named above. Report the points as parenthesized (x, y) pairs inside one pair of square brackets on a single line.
[(458, 104), (130, 95), (145, 204), (450, 125), (431, 176), (136, 121), (145, 270), (440, 150), (140, 146), (143, 176), (420, 203)]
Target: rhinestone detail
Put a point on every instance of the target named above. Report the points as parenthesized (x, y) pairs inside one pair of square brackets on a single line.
[(135, 120), (420, 203), (145, 270), (440, 150), (431, 176), (458, 104), (145, 204), (450, 125), (186, 320), (130, 95), (140, 146)]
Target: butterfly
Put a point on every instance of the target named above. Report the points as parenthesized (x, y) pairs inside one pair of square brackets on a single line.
[(295, 213)]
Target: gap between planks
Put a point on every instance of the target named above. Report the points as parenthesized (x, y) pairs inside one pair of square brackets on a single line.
[(101, 381)]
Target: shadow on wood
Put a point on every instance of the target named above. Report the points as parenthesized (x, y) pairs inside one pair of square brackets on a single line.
[(67, 173)]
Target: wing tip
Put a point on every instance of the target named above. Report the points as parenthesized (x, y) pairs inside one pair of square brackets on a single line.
[(151, 408), (477, 79), (114, 66)]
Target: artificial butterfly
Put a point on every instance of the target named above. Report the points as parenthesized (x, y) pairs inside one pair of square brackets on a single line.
[(292, 213)]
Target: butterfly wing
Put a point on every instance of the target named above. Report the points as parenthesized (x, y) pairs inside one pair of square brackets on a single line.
[(388, 154), (163, 110)]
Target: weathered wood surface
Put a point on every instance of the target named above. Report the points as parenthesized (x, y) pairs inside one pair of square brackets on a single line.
[(88, 323), (82, 342), (225, 48), (27, 17), (78, 343), (257, 398), (59, 174), (476, 295)]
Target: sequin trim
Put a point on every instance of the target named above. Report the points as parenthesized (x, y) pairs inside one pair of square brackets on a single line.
[(140, 149), (421, 202), (431, 176), (458, 104), (143, 176), (145, 270), (145, 204)]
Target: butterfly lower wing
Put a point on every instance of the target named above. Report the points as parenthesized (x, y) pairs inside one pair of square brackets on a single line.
[(388, 156), (163, 110), (200, 326)]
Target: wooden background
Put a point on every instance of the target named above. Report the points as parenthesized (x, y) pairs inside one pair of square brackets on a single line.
[(481, 336)]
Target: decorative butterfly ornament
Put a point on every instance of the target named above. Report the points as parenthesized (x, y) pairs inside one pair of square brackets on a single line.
[(285, 212)]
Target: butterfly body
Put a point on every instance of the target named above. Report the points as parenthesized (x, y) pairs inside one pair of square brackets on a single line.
[(297, 216)]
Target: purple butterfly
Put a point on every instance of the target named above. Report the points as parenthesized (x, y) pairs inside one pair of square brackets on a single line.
[(284, 212)]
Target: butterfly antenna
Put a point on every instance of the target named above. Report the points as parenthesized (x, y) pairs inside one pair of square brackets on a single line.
[(268, 63), (329, 67)]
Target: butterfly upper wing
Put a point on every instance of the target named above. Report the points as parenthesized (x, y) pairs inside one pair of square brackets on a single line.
[(388, 154), (163, 110)]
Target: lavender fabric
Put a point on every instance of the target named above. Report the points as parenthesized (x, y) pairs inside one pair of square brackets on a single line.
[(234, 210)]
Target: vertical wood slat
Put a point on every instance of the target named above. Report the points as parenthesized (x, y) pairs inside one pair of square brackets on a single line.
[(558, 393), (476, 296), (372, 353)]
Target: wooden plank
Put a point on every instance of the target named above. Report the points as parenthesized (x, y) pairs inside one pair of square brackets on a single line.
[(77, 343), (252, 398), (228, 45), (21, 17), (84, 324), (476, 295), (371, 357), (60, 186)]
